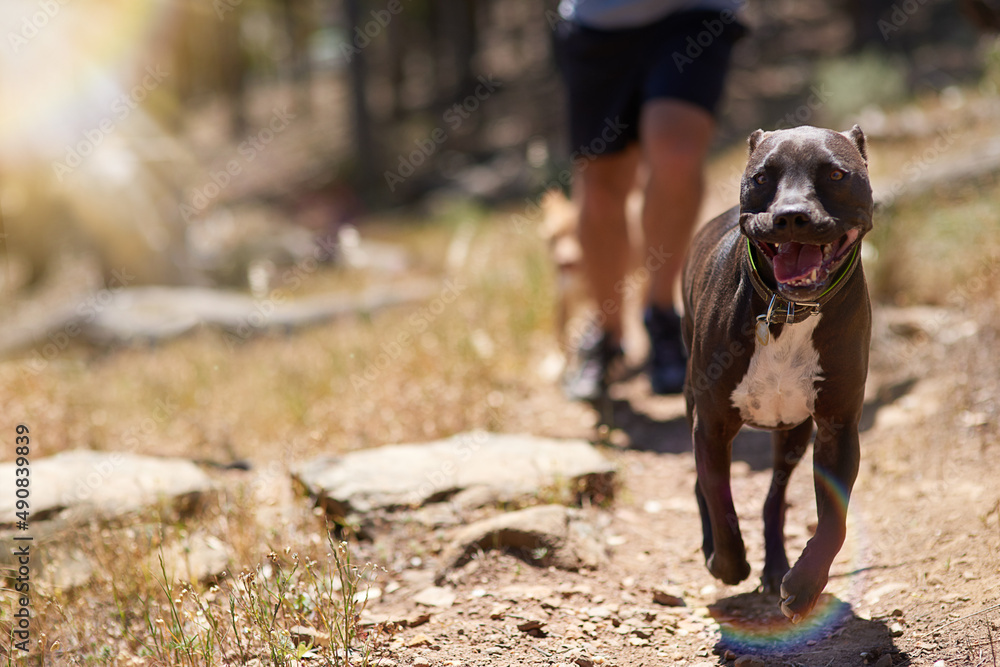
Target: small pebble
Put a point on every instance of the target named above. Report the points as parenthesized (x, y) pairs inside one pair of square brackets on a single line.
[(896, 630), (668, 597), (884, 661), (598, 612)]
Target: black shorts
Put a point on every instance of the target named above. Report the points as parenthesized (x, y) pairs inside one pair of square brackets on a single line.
[(610, 74)]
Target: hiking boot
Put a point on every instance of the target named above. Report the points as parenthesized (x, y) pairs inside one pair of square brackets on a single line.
[(587, 378), (667, 357)]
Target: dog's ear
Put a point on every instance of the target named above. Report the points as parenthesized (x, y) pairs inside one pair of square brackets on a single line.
[(857, 138), (754, 139)]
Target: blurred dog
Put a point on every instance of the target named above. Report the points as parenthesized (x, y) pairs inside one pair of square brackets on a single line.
[(574, 306), (559, 229)]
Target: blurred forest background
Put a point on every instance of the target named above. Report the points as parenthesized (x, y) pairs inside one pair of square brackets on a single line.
[(174, 141)]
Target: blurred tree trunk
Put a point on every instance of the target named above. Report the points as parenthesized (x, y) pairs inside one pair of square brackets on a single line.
[(453, 26), (232, 73), (297, 17), (865, 15), (398, 32), (364, 142)]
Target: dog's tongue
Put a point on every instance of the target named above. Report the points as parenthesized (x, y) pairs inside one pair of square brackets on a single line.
[(795, 260)]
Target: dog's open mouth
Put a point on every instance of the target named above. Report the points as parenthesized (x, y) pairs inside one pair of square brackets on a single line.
[(802, 265)]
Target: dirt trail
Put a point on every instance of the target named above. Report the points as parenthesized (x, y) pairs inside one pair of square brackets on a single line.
[(916, 583)]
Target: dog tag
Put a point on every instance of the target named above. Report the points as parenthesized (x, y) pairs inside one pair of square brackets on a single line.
[(762, 331)]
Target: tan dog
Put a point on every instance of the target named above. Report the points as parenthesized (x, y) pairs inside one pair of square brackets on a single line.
[(574, 306)]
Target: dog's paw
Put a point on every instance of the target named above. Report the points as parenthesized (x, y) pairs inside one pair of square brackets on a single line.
[(800, 589), (770, 580), (775, 569), (731, 571)]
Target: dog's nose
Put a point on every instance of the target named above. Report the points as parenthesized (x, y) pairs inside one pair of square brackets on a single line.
[(794, 218)]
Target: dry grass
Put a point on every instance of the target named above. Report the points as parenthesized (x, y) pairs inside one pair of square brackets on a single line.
[(430, 370), (930, 246), (405, 374)]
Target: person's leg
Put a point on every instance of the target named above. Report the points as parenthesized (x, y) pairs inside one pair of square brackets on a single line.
[(600, 187), (675, 131), (676, 137)]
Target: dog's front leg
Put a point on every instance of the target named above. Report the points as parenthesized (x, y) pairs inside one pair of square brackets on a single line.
[(788, 449), (725, 554), (836, 455)]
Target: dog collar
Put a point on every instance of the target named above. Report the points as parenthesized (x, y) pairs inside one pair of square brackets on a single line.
[(783, 311)]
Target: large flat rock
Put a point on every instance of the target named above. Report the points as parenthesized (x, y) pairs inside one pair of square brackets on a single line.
[(477, 467), (87, 484), (74, 488)]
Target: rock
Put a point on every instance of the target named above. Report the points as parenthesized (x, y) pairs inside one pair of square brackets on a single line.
[(159, 313), (436, 596), (896, 629), (499, 612), (668, 596), (81, 485), (544, 535), (748, 661), (504, 467), (437, 515), (195, 558), (418, 640), (364, 595), (533, 627), (415, 619), (598, 613), (65, 568), (371, 619), (301, 634), (885, 660)]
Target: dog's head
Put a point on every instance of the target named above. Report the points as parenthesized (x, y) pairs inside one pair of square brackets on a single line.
[(805, 204)]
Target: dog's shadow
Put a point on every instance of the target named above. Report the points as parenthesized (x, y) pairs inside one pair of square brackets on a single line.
[(752, 623), (649, 431), (651, 427)]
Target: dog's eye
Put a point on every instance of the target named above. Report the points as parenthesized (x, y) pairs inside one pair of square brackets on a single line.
[(760, 179), (837, 175)]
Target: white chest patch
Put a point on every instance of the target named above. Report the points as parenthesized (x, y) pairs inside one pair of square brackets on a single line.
[(780, 385)]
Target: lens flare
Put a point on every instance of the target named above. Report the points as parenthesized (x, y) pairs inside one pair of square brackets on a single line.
[(752, 622), (64, 65)]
